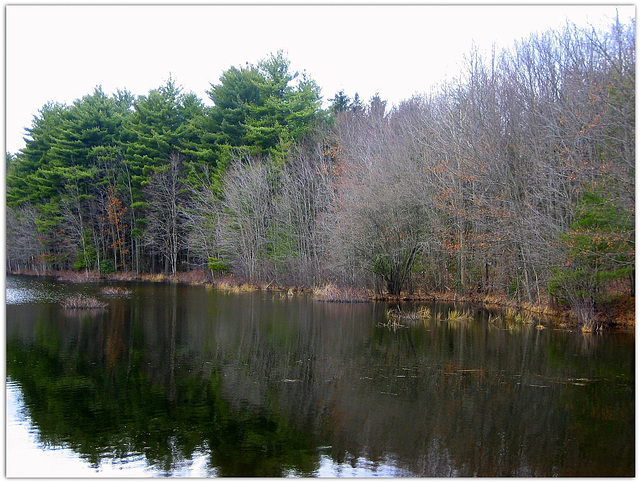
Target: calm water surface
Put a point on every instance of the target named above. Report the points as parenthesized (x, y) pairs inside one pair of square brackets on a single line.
[(174, 380)]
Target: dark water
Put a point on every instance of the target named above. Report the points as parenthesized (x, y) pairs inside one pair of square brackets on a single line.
[(188, 381)]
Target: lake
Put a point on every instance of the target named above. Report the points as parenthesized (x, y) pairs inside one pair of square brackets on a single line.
[(181, 380)]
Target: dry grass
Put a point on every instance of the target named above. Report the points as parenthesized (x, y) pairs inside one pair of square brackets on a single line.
[(394, 316), (124, 276), (232, 284), (494, 319), (191, 277), (154, 277), (115, 291), (456, 315), (516, 316), (393, 319), (83, 302), (194, 277), (333, 293), (424, 313), (510, 313), (77, 277), (235, 288), (398, 314)]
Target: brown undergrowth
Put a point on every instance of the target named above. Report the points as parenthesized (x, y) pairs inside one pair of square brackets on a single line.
[(619, 311)]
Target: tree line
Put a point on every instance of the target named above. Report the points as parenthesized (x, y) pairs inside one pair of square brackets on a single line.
[(515, 178)]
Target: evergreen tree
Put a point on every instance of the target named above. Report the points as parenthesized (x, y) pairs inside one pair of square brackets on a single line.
[(24, 182), (600, 248), (261, 110), (238, 89), (71, 153), (340, 102), (164, 124)]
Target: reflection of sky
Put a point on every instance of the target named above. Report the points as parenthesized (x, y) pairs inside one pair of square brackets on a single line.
[(361, 468), (20, 296), (25, 457), (17, 291)]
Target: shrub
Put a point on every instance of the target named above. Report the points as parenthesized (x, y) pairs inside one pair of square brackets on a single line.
[(218, 266), (106, 266)]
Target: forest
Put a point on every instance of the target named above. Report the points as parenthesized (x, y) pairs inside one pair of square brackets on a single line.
[(515, 180)]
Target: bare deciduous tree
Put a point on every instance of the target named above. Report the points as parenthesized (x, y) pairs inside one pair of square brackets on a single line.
[(166, 194), (248, 212), (23, 240)]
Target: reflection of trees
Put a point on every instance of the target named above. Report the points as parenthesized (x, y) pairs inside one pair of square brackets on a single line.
[(125, 416), (491, 403), (116, 340), (258, 382), (117, 407), (463, 398)]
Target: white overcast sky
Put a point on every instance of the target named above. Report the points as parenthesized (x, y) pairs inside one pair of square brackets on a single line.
[(62, 52)]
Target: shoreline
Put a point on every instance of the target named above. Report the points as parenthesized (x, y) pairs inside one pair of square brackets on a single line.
[(623, 307)]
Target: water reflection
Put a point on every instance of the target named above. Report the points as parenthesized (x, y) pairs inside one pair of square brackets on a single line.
[(22, 290), (193, 381)]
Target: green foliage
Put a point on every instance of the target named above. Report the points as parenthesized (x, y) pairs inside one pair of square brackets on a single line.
[(599, 246), (258, 108), (138, 232), (341, 102), (106, 266), (79, 264), (163, 122), (218, 266), (87, 256), (25, 180)]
